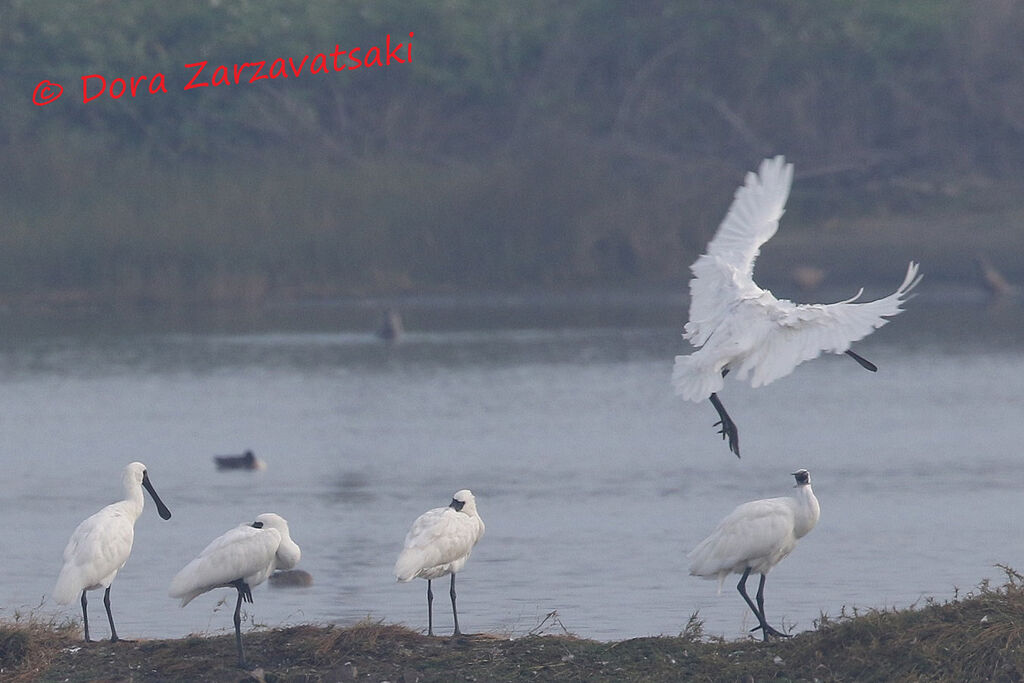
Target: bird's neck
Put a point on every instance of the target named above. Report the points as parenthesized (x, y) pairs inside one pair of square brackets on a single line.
[(133, 501), (808, 511)]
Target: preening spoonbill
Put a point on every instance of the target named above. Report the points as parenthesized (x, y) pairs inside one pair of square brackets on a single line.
[(755, 537), (241, 558), (101, 544), (439, 542), (738, 326)]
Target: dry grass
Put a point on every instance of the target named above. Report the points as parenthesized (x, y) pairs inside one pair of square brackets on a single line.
[(977, 636), (29, 646)]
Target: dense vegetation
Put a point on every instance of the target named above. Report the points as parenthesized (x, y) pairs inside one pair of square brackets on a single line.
[(971, 638), (526, 143)]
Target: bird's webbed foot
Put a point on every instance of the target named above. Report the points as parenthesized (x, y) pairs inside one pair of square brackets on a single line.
[(768, 631), (727, 428)]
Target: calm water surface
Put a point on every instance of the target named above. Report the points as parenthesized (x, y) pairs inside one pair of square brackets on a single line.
[(593, 479)]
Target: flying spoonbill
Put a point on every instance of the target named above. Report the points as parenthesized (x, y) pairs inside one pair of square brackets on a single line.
[(736, 325), (241, 558), (101, 544), (756, 536), (439, 542)]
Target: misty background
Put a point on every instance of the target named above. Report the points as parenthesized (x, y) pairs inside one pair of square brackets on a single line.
[(197, 273), (533, 144)]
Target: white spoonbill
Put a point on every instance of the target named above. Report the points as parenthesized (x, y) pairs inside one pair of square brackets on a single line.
[(439, 542), (101, 544), (241, 558), (736, 325), (755, 537)]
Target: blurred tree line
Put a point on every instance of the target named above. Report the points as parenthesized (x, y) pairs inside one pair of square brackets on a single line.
[(536, 141)]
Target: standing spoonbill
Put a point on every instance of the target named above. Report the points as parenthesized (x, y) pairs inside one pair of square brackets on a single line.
[(439, 542), (240, 558), (756, 536), (736, 325), (101, 544)]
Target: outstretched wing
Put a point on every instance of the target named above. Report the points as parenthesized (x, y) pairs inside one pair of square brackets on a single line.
[(725, 272), (798, 333)]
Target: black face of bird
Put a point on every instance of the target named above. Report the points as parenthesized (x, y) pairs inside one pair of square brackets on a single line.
[(160, 507), (802, 477), (457, 505), (257, 525)]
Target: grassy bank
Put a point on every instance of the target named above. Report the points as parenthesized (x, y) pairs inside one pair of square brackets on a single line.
[(978, 636)]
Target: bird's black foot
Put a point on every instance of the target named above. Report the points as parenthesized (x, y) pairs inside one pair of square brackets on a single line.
[(727, 428), (864, 362), (768, 631)]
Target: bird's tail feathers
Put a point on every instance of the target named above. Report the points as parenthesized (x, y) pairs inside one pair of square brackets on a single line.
[(409, 564), (188, 597), (693, 380), (66, 589), (706, 574), (184, 584)]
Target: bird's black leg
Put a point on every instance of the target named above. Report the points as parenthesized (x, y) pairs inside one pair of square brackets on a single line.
[(430, 610), (864, 362), (765, 628), (85, 618), (728, 429), (244, 593), (455, 614), (238, 631), (742, 588), (110, 617)]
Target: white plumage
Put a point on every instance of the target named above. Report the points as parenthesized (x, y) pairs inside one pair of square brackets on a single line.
[(240, 558), (100, 546), (755, 537), (738, 326), (439, 542)]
